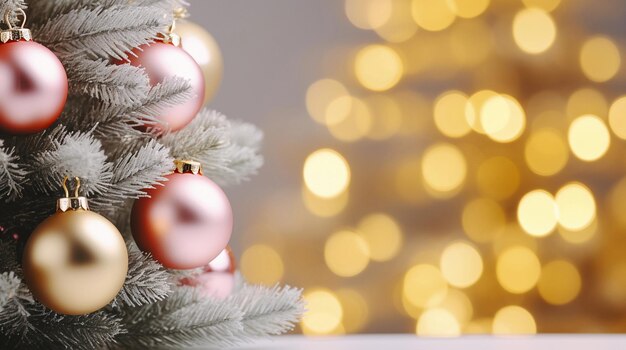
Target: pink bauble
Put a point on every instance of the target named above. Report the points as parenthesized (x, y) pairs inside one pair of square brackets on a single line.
[(161, 61), (33, 87), (185, 223), (217, 279)]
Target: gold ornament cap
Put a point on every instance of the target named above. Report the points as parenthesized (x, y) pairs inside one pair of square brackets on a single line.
[(72, 203), (15, 34), (170, 37), (188, 167)]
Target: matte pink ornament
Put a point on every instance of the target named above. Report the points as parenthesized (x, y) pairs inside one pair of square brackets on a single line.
[(162, 61), (217, 279), (185, 223), (33, 87)]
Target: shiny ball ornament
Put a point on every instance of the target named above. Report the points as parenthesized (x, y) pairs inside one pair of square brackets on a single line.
[(75, 262), (217, 279), (186, 222), (204, 49), (33, 83), (164, 60)]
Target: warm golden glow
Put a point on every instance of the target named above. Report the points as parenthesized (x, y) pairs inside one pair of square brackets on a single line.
[(449, 113), (324, 207), (586, 101), (355, 310), (319, 97), (600, 59), (546, 152), (461, 265), (346, 253), (537, 213), (262, 264), (498, 177), (438, 322), (355, 125), (483, 220), (386, 117), (474, 107), (580, 236), (589, 138), (518, 269), (400, 27), (468, 8), (560, 282), (471, 42), (424, 286), (432, 15), (617, 117), (459, 305), (378, 67), (326, 173), (443, 169), (383, 236), (502, 118), (534, 30), (577, 207), (368, 14), (547, 5), (324, 312), (512, 320)]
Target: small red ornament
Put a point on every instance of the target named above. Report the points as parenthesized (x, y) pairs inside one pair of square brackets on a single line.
[(217, 279), (186, 222), (33, 82), (166, 59)]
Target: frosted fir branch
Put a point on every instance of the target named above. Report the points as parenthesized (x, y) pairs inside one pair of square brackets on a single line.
[(12, 175), (74, 154), (14, 299), (146, 282), (185, 319), (242, 154), (10, 5), (123, 85), (103, 32), (268, 311)]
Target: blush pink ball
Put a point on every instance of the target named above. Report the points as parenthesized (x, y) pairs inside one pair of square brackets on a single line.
[(185, 224), (217, 279), (33, 87), (161, 61)]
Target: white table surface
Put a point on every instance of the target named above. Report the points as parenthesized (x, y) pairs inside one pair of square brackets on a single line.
[(406, 342)]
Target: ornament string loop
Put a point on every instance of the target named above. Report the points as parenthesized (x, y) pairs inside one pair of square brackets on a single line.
[(76, 189), (15, 33), (7, 18)]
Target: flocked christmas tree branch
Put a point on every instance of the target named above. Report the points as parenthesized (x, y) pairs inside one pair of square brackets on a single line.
[(101, 137)]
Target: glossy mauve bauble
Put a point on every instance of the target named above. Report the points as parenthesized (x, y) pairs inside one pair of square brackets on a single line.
[(162, 61), (185, 223), (33, 87), (204, 49), (75, 262), (217, 279)]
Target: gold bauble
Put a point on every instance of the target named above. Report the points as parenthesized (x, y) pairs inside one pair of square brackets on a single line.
[(201, 45), (75, 262)]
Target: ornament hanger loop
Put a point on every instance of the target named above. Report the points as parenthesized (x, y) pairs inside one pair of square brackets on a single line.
[(7, 18), (76, 189)]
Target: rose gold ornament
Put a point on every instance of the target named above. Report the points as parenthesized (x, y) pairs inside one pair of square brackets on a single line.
[(75, 262), (33, 82), (217, 279), (186, 222), (163, 60), (204, 49)]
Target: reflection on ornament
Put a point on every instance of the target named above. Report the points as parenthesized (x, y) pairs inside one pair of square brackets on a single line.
[(75, 262), (204, 49), (163, 62), (33, 82), (186, 222), (217, 279)]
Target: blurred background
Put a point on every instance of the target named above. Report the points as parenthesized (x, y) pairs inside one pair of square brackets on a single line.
[(435, 167)]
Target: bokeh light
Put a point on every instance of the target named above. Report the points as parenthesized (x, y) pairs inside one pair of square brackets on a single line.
[(474, 108), (322, 206), (339, 261), (449, 113), (537, 213), (468, 9), (356, 124), (355, 310), (577, 207), (444, 169), (324, 313), (534, 30), (588, 138), (513, 319), (498, 177), (547, 5), (383, 236), (424, 286), (586, 101), (560, 282), (518, 269), (600, 59), (502, 118), (438, 322), (432, 15), (461, 264), (260, 263), (617, 117), (321, 94), (378, 67), (483, 220), (400, 27), (368, 14), (326, 173), (546, 152)]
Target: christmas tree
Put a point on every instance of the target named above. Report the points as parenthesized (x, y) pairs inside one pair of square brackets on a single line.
[(110, 146)]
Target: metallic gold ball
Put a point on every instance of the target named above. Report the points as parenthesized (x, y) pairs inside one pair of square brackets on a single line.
[(204, 49), (75, 262)]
